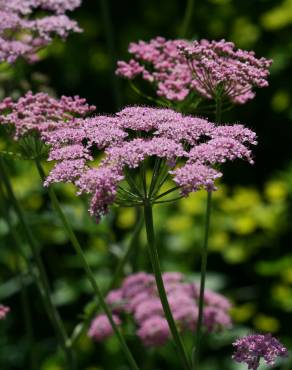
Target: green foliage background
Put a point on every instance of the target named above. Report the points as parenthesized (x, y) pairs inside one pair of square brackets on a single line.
[(250, 247)]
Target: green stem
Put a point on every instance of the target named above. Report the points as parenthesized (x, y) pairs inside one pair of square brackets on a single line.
[(162, 178), (80, 328), (133, 184), (166, 193), (143, 177), (87, 269), (168, 201), (204, 257), (147, 97), (135, 241), (43, 280), (187, 18), (155, 175), (160, 285), (131, 247)]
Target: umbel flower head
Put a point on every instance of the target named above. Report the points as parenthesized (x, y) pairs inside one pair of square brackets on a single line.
[(138, 299), (211, 69), (40, 112), (105, 156), (251, 348), (23, 32)]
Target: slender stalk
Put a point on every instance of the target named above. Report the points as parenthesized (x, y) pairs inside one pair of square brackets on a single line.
[(160, 285), (133, 185), (204, 257), (136, 247), (43, 280), (187, 18), (143, 177), (162, 178), (131, 247), (148, 97), (80, 328), (129, 193), (168, 201), (155, 175), (166, 192), (76, 245)]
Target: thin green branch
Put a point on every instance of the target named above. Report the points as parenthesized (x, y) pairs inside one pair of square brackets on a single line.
[(23, 289), (133, 184), (160, 285), (129, 192), (204, 257), (143, 177), (43, 280), (166, 192), (155, 175), (76, 245), (80, 329), (168, 201), (147, 97), (163, 176)]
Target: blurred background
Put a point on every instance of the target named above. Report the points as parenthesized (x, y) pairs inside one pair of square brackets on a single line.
[(250, 246)]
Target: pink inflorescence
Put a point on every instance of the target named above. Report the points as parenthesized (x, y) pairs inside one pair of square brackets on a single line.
[(138, 298), (209, 68), (189, 146), (40, 112), (251, 348), (23, 33), (3, 311)]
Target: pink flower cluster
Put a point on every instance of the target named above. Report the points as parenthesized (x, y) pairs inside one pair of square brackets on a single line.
[(160, 63), (23, 33), (252, 348), (138, 298), (190, 147), (219, 70), (40, 112), (3, 311), (209, 68)]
